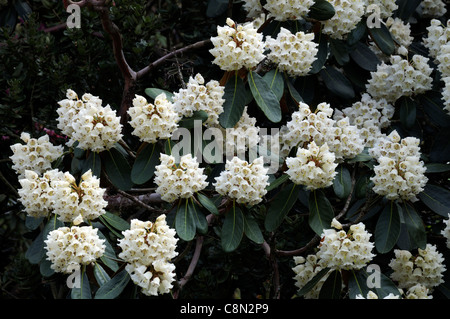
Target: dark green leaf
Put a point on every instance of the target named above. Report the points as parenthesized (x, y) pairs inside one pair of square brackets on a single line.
[(387, 229), (342, 183), (185, 223), (22, 8), (145, 163), (281, 206), (45, 268), (321, 212), (117, 168), (406, 8), (357, 283), (274, 80), (232, 229), (357, 33), (313, 282), (235, 100), (114, 287), (84, 292), (100, 274), (433, 106), (364, 57), (332, 287), (408, 111), (216, 8), (321, 10), (383, 39), (200, 219), (33, 223), (154, 92), (280, 180), (189, 122), (414, 226), (264, 97), (109, 256), (340, 51), (93, 163), (293, 92), (252, 230), (436, 198), (322, 54), (337, 83), (208, 204), (115, 221), (437, 168), (440, 150)]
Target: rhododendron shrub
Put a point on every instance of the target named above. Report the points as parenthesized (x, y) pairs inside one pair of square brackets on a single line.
[(315, 136)]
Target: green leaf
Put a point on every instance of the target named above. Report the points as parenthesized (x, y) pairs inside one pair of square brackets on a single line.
[(414, 226), (45, 268), (408, 111), (115, 221), (433, 106), (100, 274), (436, 198), (185, 223), (342, 183), (357, 33), (252, 230), (84, 292), (321, 10), (109, 256), (364, 57), (281, 206), (339, 50), (232, 229), (154, 92), (200, 218), (387, 229), (383, 39), (93, 162), (189, 122), (33, 223), (321, 212), (332, 287), (279, 181), (145, 163), (118, 169), (264, 97), (22, 8), (322, 54), (357, 284), (437, 168), (208, 204), (313, 282), (216, 8), (114, 287), (359, 280), (295, 95), (235, 97), (406, 8), (274, 80), (337, 83)]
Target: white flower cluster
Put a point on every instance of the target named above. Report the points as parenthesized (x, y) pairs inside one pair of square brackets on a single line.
[(36, 155), (293, 53), (400, 78), (347, 16), (305, 269), (400, 173), (37, 194), (77, 203), (437, 37), (253, 7), (446, 94), (243, 136), (198, 96), (446, 231), (418, 291), (370, 116), (386, 7), (93, 126), (153, 121), (282, 10), (313, 167), (179, 180), (443, 60), (343, 139), (425, 268), (433, 8), (339, 249), (148, 249), (246, 183), (69, 248), (237, 46)]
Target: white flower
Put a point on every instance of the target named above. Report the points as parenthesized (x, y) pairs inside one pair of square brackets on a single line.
[(37, 193), (282, 10), (246, 183), (433, 8), (418, 292), (35, 155), (305, 269), (237, 46), (446, 231), (386, 7), (372, 295), (77, 203), (400, 78), (346, 250), (69, 248), (179, 180), (347, 16), (253, 7), (148, 249), (399, 174), (446, 94), (313, 167), (293, 53), (425, 268), (96, 128), (443, 60), (199, 97), (153, 121), (438, 36)]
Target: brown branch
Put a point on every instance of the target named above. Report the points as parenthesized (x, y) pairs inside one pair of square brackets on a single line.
[(136, 200), (313, 242), (161, 60), (276, 274)]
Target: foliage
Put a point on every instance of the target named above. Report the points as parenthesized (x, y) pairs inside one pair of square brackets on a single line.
[(244, 250)]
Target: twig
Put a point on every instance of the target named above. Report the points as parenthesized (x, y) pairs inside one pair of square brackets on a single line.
[(137, 201), (276, 274), (313, 242), (349, 198)]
